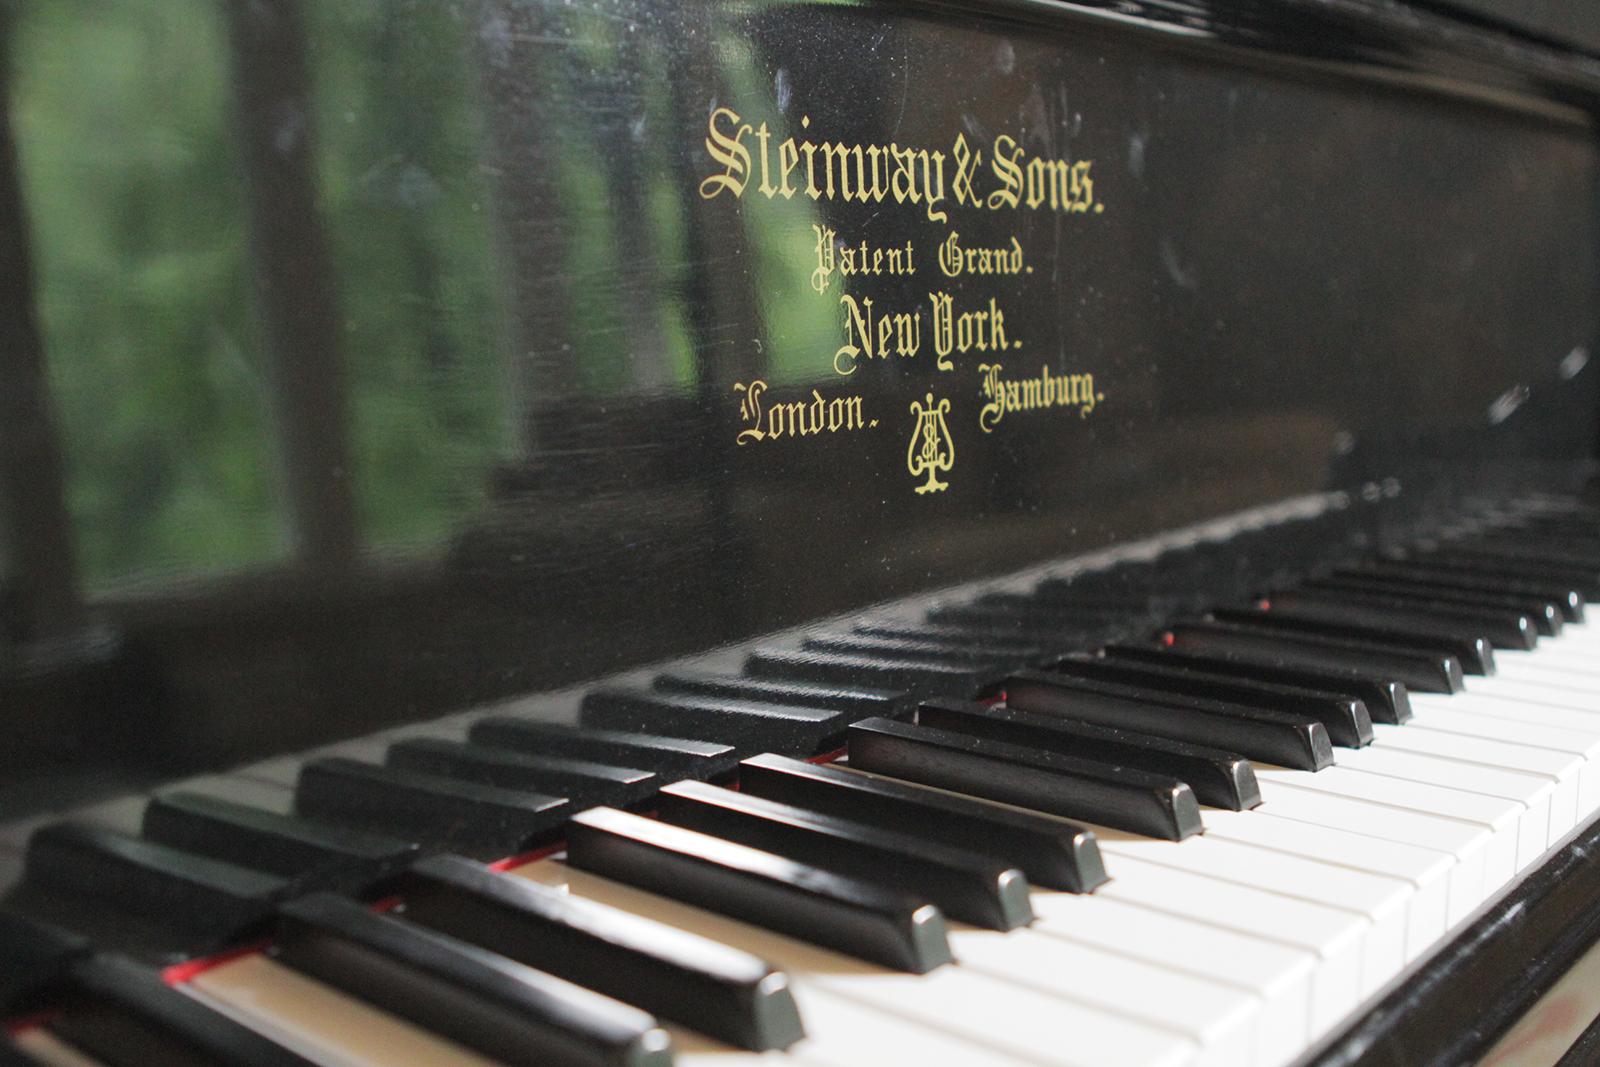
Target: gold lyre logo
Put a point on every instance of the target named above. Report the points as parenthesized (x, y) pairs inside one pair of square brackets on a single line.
[(931, 450)]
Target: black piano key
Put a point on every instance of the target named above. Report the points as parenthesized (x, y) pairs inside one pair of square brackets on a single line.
[(1049, 851), (908, 674), (1387, 701), (204, 901), (1346, 718), (857, 918), (472, 996), (1297, 741), (1222, 779), (1423, 671), (1546, 615), (849, 699), (1120, 797), (845, 643), (35, 959), (313, 854), (984, 637), (583, 783), (485, 822), (1474, 651), (707, 986), (124, 1015), (1504, 630), (972, 887), (1564, 549), (1580, 562), (1585, 580), (748, 725), (1569, 600), (669, 757), (1031, 627)]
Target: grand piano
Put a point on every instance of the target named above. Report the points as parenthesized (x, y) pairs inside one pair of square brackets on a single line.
[(606, 533)]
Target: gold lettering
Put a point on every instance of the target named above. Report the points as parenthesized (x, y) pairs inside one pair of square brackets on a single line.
[(1007, 171), (728, 151), (807, 417), (1038, 393)]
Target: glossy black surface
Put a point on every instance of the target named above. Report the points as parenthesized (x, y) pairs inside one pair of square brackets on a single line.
[(748, 725), (1474, 652), (1137, 801), (404, 367), (1293, 740), (312, 853), (1426, 672), (483, 821), (700, 983), (971, 886), (34, 959), (1386, 701), (857, 918), (1224, 779), (582, 782), (1503, 631), (124, 1015), (506, 1010), (1052, 852), (1344, 717), (669, 757), (201, 903)]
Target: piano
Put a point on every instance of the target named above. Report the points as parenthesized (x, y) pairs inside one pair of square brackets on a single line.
[(612, 533)]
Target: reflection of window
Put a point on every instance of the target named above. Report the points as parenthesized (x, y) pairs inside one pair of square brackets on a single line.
[(128, 132)]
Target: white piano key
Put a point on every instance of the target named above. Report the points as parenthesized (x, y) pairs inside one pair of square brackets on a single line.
[(319, 1022), (1223, 1021), (1427, 869), (1279, 975), (1336, 937), (1380, 900), (981, 1019), (1561, 768), (1532, 791), (1468, 844), (1541, 724), (1500, 818), (50, 1051), (1526, 681)]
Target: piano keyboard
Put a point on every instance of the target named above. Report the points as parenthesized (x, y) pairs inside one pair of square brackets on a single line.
[(1206, 849)]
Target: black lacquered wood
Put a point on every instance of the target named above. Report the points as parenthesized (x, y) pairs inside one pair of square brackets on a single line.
[(1503, 629), (482, 1000), (1387, 701), (1546, 614), (851, 700), (124, 1015), (970, 886), (907, 674), (34, 960), (700, 983), (485, 822), (668, 757), (583, 782), (202, 901), (1346, 717), (1474, 651), (858, 918), (1452, 1007), (1223, 779), (1565, 553), (1423, 671), (1568, 599), (1297, 741), (1120, 797), (747, 725), (1051, 852), (12, 1056), (312, 853)]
